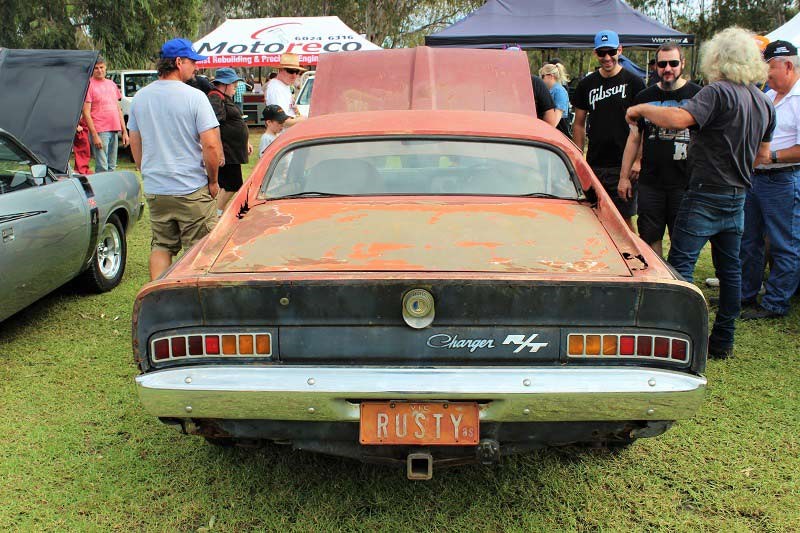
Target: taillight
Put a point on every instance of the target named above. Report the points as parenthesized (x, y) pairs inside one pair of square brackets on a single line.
[(227, 344), (639, 346)]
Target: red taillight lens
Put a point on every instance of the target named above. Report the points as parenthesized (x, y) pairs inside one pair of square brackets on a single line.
[(263, 345), (661, 347), (178, 346), (627, 343), (212, 344), (644, 345), (195, 345), (679, 350), (161, 349)]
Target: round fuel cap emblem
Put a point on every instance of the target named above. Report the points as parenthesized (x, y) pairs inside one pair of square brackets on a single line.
[(418, 308)]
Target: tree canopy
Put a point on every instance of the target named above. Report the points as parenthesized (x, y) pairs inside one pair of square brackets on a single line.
[(130, 32)]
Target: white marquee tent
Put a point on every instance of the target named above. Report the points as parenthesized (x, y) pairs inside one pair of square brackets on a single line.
[(788, 32), (260, 42)]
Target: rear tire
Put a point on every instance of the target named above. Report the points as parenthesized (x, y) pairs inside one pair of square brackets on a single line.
[(108, 262)]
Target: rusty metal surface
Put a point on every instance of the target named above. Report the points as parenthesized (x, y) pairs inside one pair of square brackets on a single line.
[(423, 78), (421, 234)]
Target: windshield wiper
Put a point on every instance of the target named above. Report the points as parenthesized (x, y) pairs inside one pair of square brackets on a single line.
[(308, 194), (545, 195)]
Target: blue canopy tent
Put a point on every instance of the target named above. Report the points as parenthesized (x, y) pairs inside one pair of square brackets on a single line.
[(554, 24)]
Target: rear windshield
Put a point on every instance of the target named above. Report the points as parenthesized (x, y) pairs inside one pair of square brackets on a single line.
[(420, 167)]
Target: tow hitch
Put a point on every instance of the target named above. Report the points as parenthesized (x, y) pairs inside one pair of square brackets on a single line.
[(419, 466)]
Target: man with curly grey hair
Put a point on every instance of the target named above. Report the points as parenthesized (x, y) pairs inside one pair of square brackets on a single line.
[(732, 125)]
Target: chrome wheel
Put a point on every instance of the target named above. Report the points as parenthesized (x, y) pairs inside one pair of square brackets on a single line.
[(109, 252)]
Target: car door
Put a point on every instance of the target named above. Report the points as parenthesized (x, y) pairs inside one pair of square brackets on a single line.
[(44, 230)]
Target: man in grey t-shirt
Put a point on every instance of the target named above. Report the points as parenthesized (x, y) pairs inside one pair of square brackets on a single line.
[(175, 142), (733, 124)]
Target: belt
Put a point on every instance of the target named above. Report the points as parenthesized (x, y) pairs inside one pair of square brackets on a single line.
[(715, 189), (776, 170)]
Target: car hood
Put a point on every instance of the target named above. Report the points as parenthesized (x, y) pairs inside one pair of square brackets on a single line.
[(43, 93), (405, 234)]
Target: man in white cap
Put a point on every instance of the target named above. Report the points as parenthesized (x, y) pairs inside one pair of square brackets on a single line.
[(279, 89)]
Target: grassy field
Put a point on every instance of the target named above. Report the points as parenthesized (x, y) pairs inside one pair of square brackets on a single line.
[(78, 453)]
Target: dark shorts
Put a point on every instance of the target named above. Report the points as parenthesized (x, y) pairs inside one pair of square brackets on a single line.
[(230, 177), (609, 177), (657, 211)]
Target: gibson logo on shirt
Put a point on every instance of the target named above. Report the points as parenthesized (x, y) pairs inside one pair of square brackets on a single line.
[(595, 95)]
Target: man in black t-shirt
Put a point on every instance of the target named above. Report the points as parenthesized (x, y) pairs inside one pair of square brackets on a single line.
[(734, 123), (604, 96), (662, 178)]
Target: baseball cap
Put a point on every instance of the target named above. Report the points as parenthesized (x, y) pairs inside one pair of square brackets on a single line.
[(606, 39), (274, 112), (779, 49), (226, 75), (180, 48)]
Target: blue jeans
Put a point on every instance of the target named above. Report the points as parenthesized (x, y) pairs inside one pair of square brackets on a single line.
[(772, 209), (719, 218), (105, 159)]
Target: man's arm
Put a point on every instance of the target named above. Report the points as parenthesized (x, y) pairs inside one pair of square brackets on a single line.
[(136, 148), (673, 118), (762, 156), (87, 116), (125, 137), (579, 127), (212, 157), (551, 117), (630, 169)]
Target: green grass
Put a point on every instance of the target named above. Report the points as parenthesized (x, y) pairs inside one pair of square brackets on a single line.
[(77, 452)]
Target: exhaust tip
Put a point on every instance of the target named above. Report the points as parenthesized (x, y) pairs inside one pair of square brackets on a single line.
[(419, 466)]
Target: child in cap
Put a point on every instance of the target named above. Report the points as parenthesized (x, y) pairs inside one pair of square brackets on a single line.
[(274, 117)]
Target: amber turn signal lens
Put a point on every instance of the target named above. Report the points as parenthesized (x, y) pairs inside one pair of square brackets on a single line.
[(229, 344), (609, 345), (245, 345), (263, 345), (576, 345), (592, 344)]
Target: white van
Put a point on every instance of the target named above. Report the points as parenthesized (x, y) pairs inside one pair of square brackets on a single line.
[(129, 82)]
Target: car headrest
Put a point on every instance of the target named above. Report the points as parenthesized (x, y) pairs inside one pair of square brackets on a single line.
[(342, 176)]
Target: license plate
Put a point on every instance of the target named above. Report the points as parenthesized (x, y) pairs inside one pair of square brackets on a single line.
[(429, 423)]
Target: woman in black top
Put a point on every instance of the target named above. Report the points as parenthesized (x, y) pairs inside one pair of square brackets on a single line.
[(234, 134)]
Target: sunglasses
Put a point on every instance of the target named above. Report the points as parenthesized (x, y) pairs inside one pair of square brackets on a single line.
[(292, 71), (674, 63), (606, 52)]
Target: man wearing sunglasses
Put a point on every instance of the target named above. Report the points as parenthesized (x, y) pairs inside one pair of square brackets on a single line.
[(279, 89), (662, 179), (603, 97)]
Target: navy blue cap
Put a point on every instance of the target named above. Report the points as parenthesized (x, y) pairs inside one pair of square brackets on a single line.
[(226, 75), (180, 48), (606, 39)]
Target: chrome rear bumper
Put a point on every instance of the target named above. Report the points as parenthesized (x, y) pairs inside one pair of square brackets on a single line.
[(316, 393)]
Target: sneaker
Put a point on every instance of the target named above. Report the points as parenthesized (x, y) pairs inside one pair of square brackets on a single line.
[(757, 313), (712, 282)]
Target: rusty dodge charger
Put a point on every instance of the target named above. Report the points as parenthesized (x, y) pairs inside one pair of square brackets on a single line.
[(421, 273)]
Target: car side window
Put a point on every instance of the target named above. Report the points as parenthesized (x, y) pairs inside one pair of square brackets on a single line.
[(15, 169)]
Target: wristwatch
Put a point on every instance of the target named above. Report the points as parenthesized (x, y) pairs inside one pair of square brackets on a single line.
[(773, 156)]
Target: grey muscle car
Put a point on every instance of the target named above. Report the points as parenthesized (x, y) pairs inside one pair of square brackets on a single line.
[(54, 225)]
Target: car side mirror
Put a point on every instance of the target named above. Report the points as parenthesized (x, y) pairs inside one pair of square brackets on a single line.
[(39, 171)]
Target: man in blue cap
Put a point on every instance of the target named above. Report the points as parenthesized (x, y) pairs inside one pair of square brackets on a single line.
[(175, 142), (604, 96)]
